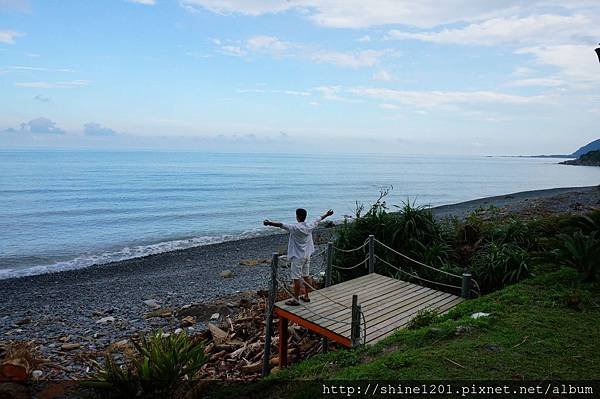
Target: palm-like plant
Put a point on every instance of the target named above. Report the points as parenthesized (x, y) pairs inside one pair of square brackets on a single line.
[(580, 251)]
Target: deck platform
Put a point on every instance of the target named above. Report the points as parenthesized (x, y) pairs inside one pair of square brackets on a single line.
[(388, 304)]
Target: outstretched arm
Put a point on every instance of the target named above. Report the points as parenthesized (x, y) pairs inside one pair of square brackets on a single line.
[(267, 222), (326, 214)]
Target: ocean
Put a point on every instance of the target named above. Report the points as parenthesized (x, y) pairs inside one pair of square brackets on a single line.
[(63, 210)]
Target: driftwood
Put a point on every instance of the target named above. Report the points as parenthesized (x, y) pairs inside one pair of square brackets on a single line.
[(19, 359), (235, 347)]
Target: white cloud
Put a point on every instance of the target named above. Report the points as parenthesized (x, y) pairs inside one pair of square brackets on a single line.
[(267, 44), (544, 82), (523, 71), (577, 62), (235, 51), (430, 99), (358, 59), (34, 69), (246, 7), (53, 85), (9, 36), (383, 76), (364, 39), (276, 47), (287, 92), (144, 2), (330, 92), (97, 130), (361, 14), (39, 126), (534, 29)]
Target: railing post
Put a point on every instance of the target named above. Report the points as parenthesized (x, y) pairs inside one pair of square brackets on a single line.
[(266, 369), (329, 264), (465, 291), (355, 324), (371, 253), (328, 270)]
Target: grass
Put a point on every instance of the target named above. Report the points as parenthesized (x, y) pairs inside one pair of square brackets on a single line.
[(542, 328)]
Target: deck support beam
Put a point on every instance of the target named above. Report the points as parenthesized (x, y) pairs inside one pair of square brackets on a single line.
[(328, 270), (266, 369), (355, 323), (283, 342)]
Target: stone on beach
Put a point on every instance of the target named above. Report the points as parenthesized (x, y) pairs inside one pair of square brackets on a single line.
[(152, 303), (161, 312), (70, 347), (254, 262), (105, 320), (226, 274), (24, 321), (188, 321)]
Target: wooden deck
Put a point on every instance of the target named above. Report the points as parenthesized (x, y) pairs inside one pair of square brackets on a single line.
[(387, 303)]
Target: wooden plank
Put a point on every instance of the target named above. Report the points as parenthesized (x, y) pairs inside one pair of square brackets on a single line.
[(348, 291), (313, 327), (372, 305), (399, 305), (319, 300), (343, 316), (402, 321), (363, 296), (372, 338), (432, 302), (342, 288), (336, 311)]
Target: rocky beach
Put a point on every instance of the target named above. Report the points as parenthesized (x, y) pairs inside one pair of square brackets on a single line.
[(71, 317)]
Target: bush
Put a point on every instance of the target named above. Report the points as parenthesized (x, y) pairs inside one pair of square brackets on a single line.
[(412, 231), (498, 251), (498, 265), (161, 363), (580, 251), (423, 318)]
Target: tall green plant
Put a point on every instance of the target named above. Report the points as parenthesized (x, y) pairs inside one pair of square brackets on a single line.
[(161, 363), (580, 251), (498, 265)]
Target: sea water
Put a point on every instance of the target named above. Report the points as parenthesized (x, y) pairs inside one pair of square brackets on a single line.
[(71, 209)]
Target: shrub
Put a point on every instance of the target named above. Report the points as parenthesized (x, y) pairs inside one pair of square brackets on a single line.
[(161, 363), (580, 251), (499, 265), (423, 318)]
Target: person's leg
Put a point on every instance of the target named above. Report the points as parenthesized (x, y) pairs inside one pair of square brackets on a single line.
[(296, 272), (307, 281)]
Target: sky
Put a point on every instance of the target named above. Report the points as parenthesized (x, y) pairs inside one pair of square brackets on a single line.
[(494, 77)]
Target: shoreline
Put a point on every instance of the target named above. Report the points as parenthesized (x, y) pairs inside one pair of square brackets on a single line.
[(69, 306), (459, 209)]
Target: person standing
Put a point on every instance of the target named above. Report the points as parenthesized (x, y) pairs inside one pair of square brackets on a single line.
[(300, 248)]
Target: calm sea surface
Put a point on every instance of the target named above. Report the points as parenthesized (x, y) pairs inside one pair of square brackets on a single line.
[(64, 210)]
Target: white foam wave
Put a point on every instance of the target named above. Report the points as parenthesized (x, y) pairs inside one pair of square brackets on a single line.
[(139, 251)]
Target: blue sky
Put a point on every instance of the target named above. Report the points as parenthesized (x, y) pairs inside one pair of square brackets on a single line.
[(415, 77)]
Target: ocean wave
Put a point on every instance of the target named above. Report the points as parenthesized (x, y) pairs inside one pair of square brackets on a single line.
[(125, 253)]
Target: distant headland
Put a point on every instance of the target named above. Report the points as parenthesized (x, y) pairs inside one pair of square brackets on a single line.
[(591, 158), (588, 155)]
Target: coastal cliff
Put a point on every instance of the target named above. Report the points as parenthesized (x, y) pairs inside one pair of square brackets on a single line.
[(591, 158)]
